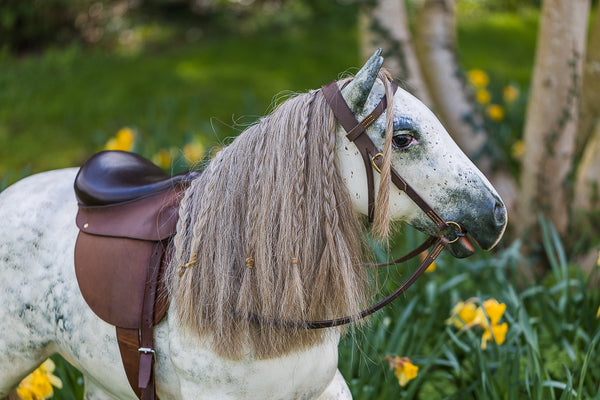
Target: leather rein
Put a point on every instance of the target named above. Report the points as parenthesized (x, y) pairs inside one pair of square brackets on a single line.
[(372, 158)]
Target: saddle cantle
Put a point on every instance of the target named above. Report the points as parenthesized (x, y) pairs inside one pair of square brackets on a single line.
[(128, 211)]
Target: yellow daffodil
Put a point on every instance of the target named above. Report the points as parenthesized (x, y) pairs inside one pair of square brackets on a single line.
[(598, 260), (497, 333), (39, 384), (463, 314), (494, 310), (467, 315), (163, 159), (123, 140), (495, 112), (193, 152), (518, 149), (478, 78), (483, 96), (510, 93), (598, 313), (431, 268), (404, 369)]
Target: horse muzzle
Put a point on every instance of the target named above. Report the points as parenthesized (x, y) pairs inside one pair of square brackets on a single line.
[(483, 226)]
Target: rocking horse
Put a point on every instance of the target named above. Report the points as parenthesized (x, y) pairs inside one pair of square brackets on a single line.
[(232, 283)]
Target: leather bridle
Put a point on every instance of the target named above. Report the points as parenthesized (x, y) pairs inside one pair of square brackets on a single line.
[(372, 158)]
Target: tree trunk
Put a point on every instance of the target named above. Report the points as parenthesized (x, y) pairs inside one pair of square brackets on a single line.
[(590, 94), (384, 24), (587, 184), (452, 97), (552, 113)]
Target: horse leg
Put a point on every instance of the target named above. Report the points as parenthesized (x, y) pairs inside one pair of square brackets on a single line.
[(337, 389), (16, 364)]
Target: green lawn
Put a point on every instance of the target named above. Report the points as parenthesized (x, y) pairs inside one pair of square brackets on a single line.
[(500, 43), (58, 107)]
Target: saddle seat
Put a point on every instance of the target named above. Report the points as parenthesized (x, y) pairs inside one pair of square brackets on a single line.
[(111, 177)]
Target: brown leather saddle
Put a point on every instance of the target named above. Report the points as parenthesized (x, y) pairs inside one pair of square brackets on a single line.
[(128, 211)]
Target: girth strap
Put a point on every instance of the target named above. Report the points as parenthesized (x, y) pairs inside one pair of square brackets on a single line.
[(137, 345)]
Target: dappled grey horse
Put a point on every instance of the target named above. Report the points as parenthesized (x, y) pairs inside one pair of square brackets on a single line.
[(268, 232)]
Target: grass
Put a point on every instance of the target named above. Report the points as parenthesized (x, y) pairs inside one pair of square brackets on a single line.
[(548, 352), (59, 107), (501, 43)]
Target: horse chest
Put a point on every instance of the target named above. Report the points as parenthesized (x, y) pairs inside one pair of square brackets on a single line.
[(205, 375)]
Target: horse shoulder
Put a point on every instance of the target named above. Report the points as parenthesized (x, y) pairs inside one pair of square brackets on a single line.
[(305, 374)]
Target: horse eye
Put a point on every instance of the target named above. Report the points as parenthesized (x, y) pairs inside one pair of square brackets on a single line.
[(403, 142)]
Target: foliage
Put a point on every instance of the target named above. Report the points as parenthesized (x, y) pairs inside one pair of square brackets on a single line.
[(503, 108), (501, 43), (33, 24), (39, 24), (80, 97), (549, 349)]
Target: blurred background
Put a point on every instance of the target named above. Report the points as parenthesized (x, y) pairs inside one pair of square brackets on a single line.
[(516, 83)]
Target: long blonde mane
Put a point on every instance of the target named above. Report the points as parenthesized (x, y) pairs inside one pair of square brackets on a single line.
[(268, 230)]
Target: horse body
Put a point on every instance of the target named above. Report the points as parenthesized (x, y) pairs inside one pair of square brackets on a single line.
[(44, 313), (291, 207)]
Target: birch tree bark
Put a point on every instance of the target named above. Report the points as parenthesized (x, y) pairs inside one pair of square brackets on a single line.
[(452, 97), (590, 94), (585, 214), (384, 24), (587, 183), (552, 113)]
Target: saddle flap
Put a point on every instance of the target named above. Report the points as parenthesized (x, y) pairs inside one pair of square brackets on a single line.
[(112, 273), (151, 218)]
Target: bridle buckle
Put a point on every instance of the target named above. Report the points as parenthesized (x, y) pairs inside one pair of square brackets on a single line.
[(374, 164), (458, 232)]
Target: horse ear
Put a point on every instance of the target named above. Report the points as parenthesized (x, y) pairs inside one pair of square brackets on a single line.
[(357, 91)]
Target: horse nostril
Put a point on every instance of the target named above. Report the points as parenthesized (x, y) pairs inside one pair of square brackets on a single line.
[(499, 213)]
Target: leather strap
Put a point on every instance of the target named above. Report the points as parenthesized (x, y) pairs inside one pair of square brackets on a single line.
[(438, 245), (369, 152), (129, 343), (137, 345), (412, 254), (146, 350), (355, 132)]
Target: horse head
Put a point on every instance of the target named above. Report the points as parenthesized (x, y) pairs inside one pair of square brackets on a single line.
[(425, 155)]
